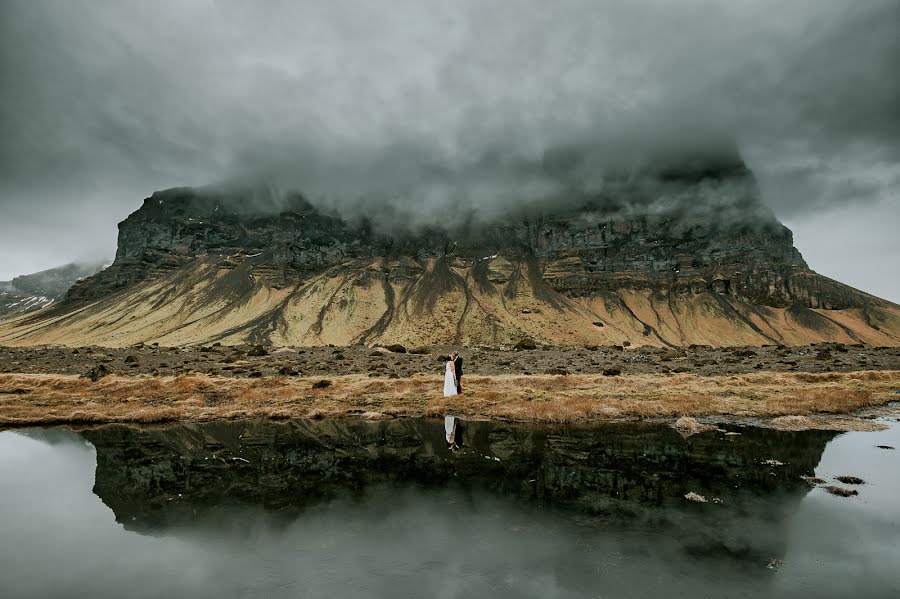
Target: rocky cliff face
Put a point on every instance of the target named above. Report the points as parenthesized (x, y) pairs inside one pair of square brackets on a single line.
[(670, 257), (674, 237)]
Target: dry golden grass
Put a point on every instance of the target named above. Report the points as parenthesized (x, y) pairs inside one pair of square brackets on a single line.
[(54, 399)]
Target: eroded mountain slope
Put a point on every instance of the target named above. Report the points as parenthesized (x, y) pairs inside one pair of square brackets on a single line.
[(437, 300)]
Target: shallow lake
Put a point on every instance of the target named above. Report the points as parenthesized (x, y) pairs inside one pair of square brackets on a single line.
[(351, 508)]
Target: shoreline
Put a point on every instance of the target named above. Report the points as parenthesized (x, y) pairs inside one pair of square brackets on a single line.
[(783, 400)]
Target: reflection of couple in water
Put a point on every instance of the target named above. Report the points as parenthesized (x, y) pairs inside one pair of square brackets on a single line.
[(453, 375), (453, 432)]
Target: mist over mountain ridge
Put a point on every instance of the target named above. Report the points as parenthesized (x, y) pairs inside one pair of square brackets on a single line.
[(27, 293), (668, 256), (401, 191)]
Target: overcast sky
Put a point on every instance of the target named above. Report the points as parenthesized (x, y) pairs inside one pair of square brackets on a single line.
[(105, 101)]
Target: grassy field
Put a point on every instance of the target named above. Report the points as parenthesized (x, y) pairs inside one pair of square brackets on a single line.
[(789, 398)]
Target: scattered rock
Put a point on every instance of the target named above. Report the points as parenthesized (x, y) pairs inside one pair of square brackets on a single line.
[(884, 446), (849, 480), (131, 360), (612, 371), (840, 491), (823, 355), (255, 374), (774, 563), (287, 371), (420, 351), (396, 348), (257, 350), (97, 372), (525, 344), (559, 371), (814, 480), (687, 426), (597, 323), (322, 384)]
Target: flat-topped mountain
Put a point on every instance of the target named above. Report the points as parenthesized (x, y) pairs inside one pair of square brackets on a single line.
[(676, 256)]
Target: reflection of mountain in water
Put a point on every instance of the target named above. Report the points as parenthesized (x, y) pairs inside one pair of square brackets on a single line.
[(617, 474)]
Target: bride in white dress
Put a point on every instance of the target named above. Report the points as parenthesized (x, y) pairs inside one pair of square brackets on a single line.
[(450, 380)]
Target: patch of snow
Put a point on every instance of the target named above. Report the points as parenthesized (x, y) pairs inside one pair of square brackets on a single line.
[(490, 257), (255, 255)]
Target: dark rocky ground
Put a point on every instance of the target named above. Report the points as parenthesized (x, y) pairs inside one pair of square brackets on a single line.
[(250, 361)]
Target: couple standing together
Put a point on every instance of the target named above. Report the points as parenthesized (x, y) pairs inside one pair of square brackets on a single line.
[(453, 375)]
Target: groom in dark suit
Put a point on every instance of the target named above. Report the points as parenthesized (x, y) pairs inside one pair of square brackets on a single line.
[(457, 367)]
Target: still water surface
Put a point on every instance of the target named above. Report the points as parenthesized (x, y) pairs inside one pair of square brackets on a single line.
[(349, 508)]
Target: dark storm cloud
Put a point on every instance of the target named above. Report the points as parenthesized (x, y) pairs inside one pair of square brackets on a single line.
[(424, 107)]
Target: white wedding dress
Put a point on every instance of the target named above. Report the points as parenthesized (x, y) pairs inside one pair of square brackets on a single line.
[(450, 381)]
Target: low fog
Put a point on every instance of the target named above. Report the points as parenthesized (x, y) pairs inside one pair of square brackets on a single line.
[(418, 112)]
